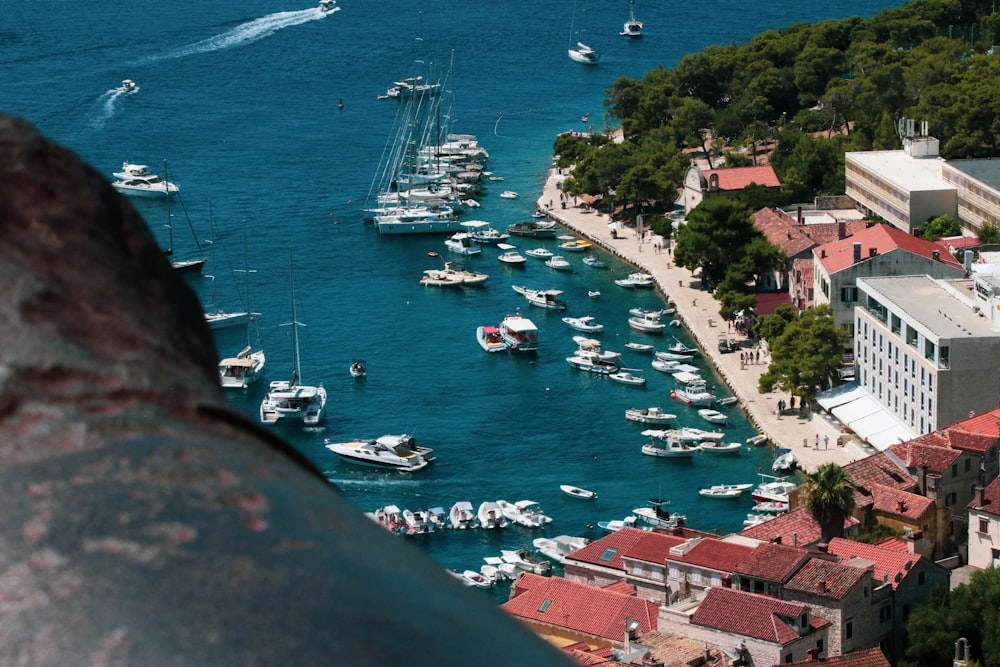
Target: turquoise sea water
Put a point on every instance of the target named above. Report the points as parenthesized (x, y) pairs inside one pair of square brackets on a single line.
[(243, 99)]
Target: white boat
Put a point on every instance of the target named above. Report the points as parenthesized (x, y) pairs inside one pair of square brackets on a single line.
[(463, 244), (390, 517), (590, 357), (673, 356), (508, 194), (438, 518), (770, 507), (418, 521), (625, 377), (461, 515), (755, 520), (128, 86), (224, 319), (665, 366), (692, 395), (510, 255), (495, 569), (582, 53), (587, 323), (633, 280), (489, 515), (646, 324), (658, 518), (138, 181), (577, 492), (632, 27), (727, 400), (576, 245), (785, 461), (388, 452), (717, 447), (653, 415), (489, 339), (541, 298), (482, 232), (526, 513), (594, 294), (476, 579), (663, 444), (242, 370), (536, 229), (724, 491), (639, 347), (287, 399), (559, 263), (681, 348), (773, 489), (593, 262), (714, 416), (413, 86), (698, 435), (560, 546), (644, 312), (358, 368), (539, 253), (519, 333), (523, 559), (452, 275), (327, 6), (615, 525)]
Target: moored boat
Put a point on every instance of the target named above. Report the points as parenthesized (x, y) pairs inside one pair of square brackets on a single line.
[(714, 416), (625, 377), (577, 492), (490, 340), (510, 255), (539, 253), (587, 323), (664, 444), (773, 488), (594, 263), (541, 298), (527, 513), (461, 516), (559, 263), (560, 546), (519, 333), (724, 491), (544, 229), (717, 447), (489, 515), (653, 415)]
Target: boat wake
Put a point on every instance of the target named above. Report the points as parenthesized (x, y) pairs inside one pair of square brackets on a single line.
[(108, 103), (247, 33)]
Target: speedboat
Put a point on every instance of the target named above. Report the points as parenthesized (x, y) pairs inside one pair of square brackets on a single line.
[(770, 507), (714, 416), (582, 53), (716, 447), (508, 194), (785, 461), (721, 491), (755, 520), (594, 294), (615, 525), (652, 415), (482, 232), (389, 452), (418, 521), (489, 339), (659, 518), (577, 492), (665, 445), (495, 569), (541, 298), (510, 255), (576, 245), (593, 262), (681, 348), (138, 181), (476, 579), (634, 280), (242, 370), (327, 6), (776, 489), (673, 356), (523, 559), (539, 253), (452, 275), (647, 324), (527, 513), (461, 516), (519, 333), (642, 312), (587, 323), (546, 229), (490, 516), (625, 377), (128, 86), (590, 357), (559, 263), (357, 369), (560, 546), (463, 244), (698, 435)]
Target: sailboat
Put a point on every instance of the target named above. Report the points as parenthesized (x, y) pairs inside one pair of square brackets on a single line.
[(222, 319), (248, 365), (632, 27), (187, 265), (580, 52), (287, 399)]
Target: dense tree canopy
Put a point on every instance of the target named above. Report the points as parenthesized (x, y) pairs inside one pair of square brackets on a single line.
[(806, 356)]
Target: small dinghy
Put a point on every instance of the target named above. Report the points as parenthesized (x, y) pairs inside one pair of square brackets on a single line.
[(577, 492)]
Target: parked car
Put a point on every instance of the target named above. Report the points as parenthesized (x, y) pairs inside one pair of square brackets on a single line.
[(727, 345)]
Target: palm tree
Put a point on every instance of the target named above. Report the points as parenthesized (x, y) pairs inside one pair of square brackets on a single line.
[(829, 498)]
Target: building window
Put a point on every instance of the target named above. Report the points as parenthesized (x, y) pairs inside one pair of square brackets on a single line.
[(674, 573), (848, 294), (950, 499), (696, 577), (984, 525), (819, 645), (954, 470), (968, 465), (921, 578), (788, 658), (848, 629), (716, 580), (943, 357)]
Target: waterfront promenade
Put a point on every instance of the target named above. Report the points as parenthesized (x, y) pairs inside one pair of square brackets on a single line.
[(699, 312)]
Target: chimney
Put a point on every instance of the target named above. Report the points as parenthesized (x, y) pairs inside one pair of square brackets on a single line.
[(857, 252), (798, 215), (822, 587), (872, 252), (795, 539), (841, 230), (776, 539), (900, 506), (822, 254), (936, 255), (922, 478), (980, 497)]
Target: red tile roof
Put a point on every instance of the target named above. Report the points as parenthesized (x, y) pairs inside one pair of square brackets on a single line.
[(797, 527), (652, 547), (825, 579), (902, 504), (889, 562), (884, 238), (783, 231), (991, 498), (566, 604), (772, 562), (750, 615), (871, 657), (927, 449), (767, 302), (737, 178), (715, 555), (827, 232), (607, 551), (879, 469)]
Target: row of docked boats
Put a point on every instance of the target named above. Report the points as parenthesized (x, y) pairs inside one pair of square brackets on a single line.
[(462, 515)]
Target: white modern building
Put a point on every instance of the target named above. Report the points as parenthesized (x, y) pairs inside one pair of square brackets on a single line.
[(924, 352)]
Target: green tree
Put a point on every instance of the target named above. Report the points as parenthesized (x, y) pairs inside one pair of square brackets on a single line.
[(715, 236), (806, 356), (989, 234), (943, 225), (770, 327), (829, 499)]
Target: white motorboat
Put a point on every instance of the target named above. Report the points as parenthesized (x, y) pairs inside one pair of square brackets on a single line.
[(519, 333), (496, 569), (673, 356), (536, 229), (663, 444), (717, 447), (510, 255), (577, 492), (582, 53), (594, 263), (413, 86), (576, 245), (462, 516), (418, 521), (639, 347), (587, 323), (539, 253), (714, 416), (643, 312), (138, 181), (647, 324), (389, 452), (625, 377), (489, 515), (697, 435), (681, 348), (653, 415), (773, 489), (727, 400), (128, 87), (287, 399), (785, 461), (489, 339), (665, 366), (541, 298), (559, 263), (452, 275), (560, 546), (242, 370), (692, 395), (526, 513), (523, 559), (724, 491), (594, 294), (482, 232), (755, 520), (592, 346), (358, 368), (508, 194), (590, 357), (463, 244), (632, 27), (617, 524), (770, 507), (476, 579), (327, 6), (658, 518), (390, 517), (633, 280)]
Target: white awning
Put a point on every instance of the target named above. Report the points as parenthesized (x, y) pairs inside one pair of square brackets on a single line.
[(845, 393), (893, 435), (867, 418), (856, 410)]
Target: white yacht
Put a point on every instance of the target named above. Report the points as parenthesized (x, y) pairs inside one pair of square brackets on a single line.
[(242, 370), (393, 452), (138, 181), (582, 53), (519, 333)]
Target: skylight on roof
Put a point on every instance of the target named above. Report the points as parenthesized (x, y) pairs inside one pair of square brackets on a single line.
[(608, 554), (545, 606)]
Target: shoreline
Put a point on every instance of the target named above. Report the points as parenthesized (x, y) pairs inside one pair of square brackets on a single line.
[(698, 312)]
